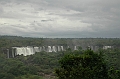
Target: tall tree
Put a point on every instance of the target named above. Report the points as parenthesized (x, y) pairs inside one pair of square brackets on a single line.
[(88, 65)]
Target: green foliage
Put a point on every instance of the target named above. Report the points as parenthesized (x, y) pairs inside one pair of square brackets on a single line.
[(11, 68), (34, 66), (113, 73), (88, 65), (78, 62), (9, 41), (29, 76), (112, 56)]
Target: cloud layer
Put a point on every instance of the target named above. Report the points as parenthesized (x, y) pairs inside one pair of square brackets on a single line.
[(60, 18)]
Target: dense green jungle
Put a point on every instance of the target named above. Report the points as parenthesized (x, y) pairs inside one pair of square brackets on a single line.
[(42, 65)]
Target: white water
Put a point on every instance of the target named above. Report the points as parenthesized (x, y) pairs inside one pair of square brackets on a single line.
[(31, 50), (107, 47), (49, 49), (75, 47), (24, 51), (62, 48), (54, 49)]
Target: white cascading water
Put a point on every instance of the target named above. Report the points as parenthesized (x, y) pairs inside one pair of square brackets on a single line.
[(75, 47), (24, 51), (54, 49), (19, 51), (28, 51), (32, 51), (49, 49), (107, 47), (62, 48)]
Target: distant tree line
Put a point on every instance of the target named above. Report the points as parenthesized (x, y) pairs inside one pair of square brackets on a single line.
[(18, 41), (66, 64)]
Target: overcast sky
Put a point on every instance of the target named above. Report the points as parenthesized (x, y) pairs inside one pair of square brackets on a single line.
[(60, 18)]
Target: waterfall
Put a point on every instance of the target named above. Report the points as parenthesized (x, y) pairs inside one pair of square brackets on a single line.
[(75, 47), (30, 51), (107, 47), (54, 49), (49, 49), (62, 48), (24, 51), (19, 51)]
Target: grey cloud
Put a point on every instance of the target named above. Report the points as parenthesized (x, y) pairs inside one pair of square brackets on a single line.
[(1, 9), (46, 20), (57, 18)]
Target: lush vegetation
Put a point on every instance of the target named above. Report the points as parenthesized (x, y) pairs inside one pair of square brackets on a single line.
[(43, 65), (9, 41), (87, 65), (30, 67)]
